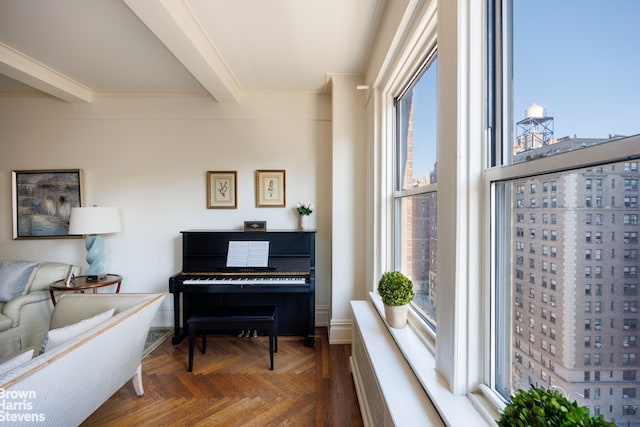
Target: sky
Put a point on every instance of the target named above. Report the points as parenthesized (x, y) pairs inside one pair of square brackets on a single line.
[(424, 123), (580, 59)]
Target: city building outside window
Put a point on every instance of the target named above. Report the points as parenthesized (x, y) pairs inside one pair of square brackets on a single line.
[(562, 121)]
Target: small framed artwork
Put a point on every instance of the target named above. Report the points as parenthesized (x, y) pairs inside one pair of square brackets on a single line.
[(270, 188), (42, 202), (221, 190)]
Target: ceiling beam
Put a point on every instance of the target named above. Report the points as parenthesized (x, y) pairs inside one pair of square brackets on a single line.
[(174, 24), (26, 70)]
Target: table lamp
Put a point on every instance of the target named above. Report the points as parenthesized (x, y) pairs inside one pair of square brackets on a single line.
[(92, 222)]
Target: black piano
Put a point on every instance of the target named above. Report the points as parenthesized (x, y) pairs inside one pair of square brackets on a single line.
[(288, 281)]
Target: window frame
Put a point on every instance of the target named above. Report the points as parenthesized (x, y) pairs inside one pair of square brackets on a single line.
[(462, 324), (419, 52), (498, 172), (399, 194)]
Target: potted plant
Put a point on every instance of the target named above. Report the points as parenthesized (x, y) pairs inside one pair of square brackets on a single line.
[(304, 210), (396, 291), (539, 407)]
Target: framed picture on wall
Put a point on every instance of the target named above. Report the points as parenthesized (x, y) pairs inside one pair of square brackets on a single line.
[(42, 202), (270, 188), (221, 190)]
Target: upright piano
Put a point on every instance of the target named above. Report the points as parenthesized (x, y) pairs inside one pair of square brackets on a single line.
[(288, 281)]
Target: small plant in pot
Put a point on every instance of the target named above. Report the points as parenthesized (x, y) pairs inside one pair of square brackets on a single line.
[(538, 407), (396, 291)]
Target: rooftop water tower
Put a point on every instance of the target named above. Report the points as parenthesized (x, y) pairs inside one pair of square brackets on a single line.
[(535, 130)]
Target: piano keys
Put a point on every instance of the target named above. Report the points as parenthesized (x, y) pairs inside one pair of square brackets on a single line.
[(288, 281), (246, 281)]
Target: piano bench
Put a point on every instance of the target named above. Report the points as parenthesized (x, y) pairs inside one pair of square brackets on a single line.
[(264, 318)]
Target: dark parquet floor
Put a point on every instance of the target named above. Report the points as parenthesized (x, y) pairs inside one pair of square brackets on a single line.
[(232, 385)]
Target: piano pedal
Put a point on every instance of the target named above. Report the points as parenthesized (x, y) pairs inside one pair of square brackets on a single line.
[(255, 333), (242, 334)]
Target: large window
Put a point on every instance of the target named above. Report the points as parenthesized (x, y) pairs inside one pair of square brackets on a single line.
[(565, 150), (415, 178)]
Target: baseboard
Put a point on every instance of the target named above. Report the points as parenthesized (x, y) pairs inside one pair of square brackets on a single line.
[(163, 318), (340, 331), (322, 315)]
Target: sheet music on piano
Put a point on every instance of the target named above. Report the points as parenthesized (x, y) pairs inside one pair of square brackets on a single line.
[(248, 254)]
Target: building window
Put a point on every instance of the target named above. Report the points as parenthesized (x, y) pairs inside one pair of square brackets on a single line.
[(629, 358), (597, 324), (630, 324), (598, 255)]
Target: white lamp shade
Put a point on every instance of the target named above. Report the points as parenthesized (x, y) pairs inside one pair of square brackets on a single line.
[(94, 220)]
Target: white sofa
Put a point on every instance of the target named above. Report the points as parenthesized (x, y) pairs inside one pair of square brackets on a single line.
[(24, 319), (66, 384)]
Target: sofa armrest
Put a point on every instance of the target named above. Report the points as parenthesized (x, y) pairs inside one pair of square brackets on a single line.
[(13, 307), (5, 322)]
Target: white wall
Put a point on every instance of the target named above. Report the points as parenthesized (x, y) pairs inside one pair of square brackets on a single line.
[(148, 155), (349, 164)]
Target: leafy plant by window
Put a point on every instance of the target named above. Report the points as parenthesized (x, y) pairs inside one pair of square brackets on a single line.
[(538, 407), (395, 288)]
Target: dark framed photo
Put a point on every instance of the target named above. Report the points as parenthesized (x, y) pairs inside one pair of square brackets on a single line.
[(270, 189), (221, 190), (42, 202)]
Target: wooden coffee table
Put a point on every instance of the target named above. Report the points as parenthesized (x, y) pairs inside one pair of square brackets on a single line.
[(84, 283)]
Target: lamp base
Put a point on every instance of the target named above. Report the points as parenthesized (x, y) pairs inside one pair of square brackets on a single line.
[(95, 256), (96, 277)]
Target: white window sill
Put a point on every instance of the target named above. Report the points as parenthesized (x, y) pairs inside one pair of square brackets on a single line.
[(417, 347)]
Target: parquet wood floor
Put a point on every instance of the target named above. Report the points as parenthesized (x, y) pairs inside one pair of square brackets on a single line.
[(232, 385)]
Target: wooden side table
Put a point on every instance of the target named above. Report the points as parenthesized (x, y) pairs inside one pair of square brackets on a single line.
[(81, 284)]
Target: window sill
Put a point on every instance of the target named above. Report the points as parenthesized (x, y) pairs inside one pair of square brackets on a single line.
[(417, 347)]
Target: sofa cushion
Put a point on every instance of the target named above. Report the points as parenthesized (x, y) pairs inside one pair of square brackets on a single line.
[(15, 278), (15, 360), (50, 272), (59, 336)]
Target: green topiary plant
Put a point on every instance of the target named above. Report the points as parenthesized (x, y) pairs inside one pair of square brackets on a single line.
[(395, 289), (538, 407)]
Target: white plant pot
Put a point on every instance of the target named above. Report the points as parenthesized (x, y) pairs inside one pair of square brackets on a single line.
[(396, 316)]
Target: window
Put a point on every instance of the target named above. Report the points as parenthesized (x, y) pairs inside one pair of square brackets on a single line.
[(517, 76), (598, 255), (630, 324), (629, 341), (533, 144), (415, 181), (629, 358)]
